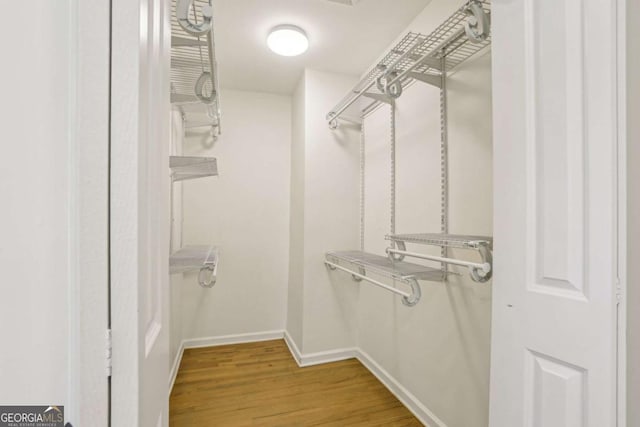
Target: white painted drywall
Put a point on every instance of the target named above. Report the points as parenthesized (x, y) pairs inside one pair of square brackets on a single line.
[(633, 213), (296, 226), (54, 309), (245, 212), (36, 190), (331, 215), (439, 350)]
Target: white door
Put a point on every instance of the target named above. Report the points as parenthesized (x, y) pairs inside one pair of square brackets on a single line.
[(555, 303), (140, 211)]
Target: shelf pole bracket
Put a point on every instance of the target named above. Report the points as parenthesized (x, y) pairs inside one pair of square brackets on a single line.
[(379, 97), (426, 78)]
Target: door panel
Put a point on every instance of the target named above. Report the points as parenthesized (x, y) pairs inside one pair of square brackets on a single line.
[(554, 313)]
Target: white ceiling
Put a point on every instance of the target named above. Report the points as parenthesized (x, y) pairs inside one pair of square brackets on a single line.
[(345, 39)]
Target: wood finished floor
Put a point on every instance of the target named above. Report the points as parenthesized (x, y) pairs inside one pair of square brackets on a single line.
[(260, 384)]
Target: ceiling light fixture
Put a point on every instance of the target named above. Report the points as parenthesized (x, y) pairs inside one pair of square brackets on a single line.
[(288, 40)]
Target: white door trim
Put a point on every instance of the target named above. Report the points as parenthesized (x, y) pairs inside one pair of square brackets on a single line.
[(88, 394), (127, 350), (621, 19)]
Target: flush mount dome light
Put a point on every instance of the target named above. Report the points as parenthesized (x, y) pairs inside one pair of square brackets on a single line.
[(288, 40)]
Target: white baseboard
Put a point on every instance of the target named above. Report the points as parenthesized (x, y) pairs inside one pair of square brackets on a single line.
[(176, 366), (318, 358), (412, 403), (293, 348), (233, 339)]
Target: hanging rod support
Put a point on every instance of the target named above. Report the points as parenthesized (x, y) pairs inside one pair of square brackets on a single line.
[(379, 97), (431, 79)]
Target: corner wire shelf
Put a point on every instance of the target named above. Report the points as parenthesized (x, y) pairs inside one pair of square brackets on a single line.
[(418, 57), (203, 259), (366, 263), (480, 272), (187, 167), (194, 72)]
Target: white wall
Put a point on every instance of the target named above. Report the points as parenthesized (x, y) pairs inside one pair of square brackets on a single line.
[(438, 350), (245, 212), (331, 215), (296, 227), (53, 182), (35, 188)]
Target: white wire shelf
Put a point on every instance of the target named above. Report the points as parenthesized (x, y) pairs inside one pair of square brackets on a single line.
[(196, 258), (187, 167), (446, 240), (384, 266), (417, 57), (194, 71), (480, 271), (362, 264)]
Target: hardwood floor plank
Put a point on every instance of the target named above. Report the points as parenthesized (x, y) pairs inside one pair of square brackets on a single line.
[(260, 384)]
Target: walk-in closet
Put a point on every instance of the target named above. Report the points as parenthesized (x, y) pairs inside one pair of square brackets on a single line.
[(240, 213), (350, 217)]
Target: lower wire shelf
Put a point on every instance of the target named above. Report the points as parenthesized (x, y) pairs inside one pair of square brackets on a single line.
[(189, 167), (384, 266), (405, 272), (201, 258)]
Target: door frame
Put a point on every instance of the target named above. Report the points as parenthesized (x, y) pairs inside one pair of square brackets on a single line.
[(88, 316), (624, 65)]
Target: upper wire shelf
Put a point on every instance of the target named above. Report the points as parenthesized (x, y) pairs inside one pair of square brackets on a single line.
[(203, 259), (446, 240), (190, 167), (418, 57), (480, 271), (194, 71)]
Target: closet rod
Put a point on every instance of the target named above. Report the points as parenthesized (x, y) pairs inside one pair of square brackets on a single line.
[(368, 279), (484, 267)]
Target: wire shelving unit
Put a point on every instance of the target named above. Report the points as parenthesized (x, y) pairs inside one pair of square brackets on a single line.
[(418, 57), (427, 59), (194, 71)]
